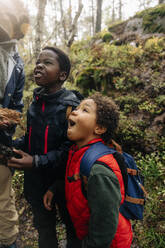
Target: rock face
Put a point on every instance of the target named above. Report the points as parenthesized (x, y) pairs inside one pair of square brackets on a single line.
[(142, 26), (148, 21)]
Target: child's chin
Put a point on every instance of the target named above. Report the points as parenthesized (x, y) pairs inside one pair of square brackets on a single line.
[(38, 83), (70, 137)]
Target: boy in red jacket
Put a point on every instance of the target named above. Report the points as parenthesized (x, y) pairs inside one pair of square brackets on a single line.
[(94, 205)]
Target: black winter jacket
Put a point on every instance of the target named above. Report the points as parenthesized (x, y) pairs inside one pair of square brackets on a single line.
[(46, 139)]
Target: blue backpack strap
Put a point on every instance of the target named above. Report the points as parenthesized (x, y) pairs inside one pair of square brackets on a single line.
[(95, 151)]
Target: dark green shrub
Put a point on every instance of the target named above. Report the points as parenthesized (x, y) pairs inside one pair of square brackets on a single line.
[(107, 37)]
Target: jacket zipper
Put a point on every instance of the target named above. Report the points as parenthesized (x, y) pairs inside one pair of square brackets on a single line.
[(30, 132), (46, 132), (46, 140), (43, 106)]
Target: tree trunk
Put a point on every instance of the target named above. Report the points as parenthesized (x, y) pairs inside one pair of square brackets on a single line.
[(70, 12), (55, 24), (63, 22), (113, 10), (98, 16), (93, 19), (39, 26), (120, 10), (73, 29), (144, 4)]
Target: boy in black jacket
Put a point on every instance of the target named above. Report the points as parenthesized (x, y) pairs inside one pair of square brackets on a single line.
[(45, 144)]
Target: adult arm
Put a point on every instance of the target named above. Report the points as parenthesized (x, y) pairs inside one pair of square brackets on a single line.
[(13, 100), (16, 101), (104, 198)]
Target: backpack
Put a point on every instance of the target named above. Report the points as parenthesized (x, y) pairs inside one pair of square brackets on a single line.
[(133, 205)]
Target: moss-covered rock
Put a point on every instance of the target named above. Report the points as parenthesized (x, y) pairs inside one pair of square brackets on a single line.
[(135, 78), (153, 19), (149, 21)]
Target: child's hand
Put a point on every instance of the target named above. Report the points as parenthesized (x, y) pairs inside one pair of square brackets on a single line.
[(48, 200), (24, 162)]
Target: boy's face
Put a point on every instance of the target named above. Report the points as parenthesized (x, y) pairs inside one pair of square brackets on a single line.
[(47, 71), (82, 126)]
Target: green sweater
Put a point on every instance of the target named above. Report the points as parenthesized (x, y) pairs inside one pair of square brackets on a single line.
[(104, 197)]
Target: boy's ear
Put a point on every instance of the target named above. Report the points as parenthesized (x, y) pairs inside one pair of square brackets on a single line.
[(62, 76), (100, 130)]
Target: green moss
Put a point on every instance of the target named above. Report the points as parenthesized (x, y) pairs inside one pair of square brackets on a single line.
[(130, 134), (128, 103), (150, 107), (117, 27), (107, 37), (151, 230), (160, 100), (155, 45), (151, 17), (85, 81)]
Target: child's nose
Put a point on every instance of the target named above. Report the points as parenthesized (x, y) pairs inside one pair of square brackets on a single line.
[(40, 65), (74, 112)]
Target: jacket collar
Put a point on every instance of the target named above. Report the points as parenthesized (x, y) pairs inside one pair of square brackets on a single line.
[(40, 94), (75, 147)]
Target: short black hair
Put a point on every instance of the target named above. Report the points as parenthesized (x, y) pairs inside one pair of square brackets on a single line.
[(107, 115), (63, 59)]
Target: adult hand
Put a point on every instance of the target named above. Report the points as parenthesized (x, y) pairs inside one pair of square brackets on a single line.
[(24, 162), (48, 200)]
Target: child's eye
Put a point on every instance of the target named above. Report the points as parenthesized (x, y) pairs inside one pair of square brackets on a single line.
[(47, 62)]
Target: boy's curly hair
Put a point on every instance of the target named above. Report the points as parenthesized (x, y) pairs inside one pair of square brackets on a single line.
[(107, 115)]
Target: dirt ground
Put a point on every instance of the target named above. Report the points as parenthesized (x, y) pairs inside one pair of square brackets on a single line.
[(28, 236)]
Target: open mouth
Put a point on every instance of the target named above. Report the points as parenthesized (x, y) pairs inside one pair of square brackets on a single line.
[(71, 123), (37, 74)]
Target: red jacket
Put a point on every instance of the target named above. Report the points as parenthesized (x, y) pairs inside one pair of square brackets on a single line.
[(77, 204)]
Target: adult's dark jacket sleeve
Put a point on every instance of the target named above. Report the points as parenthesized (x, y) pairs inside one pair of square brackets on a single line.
[(13, 97), (14, 89)]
